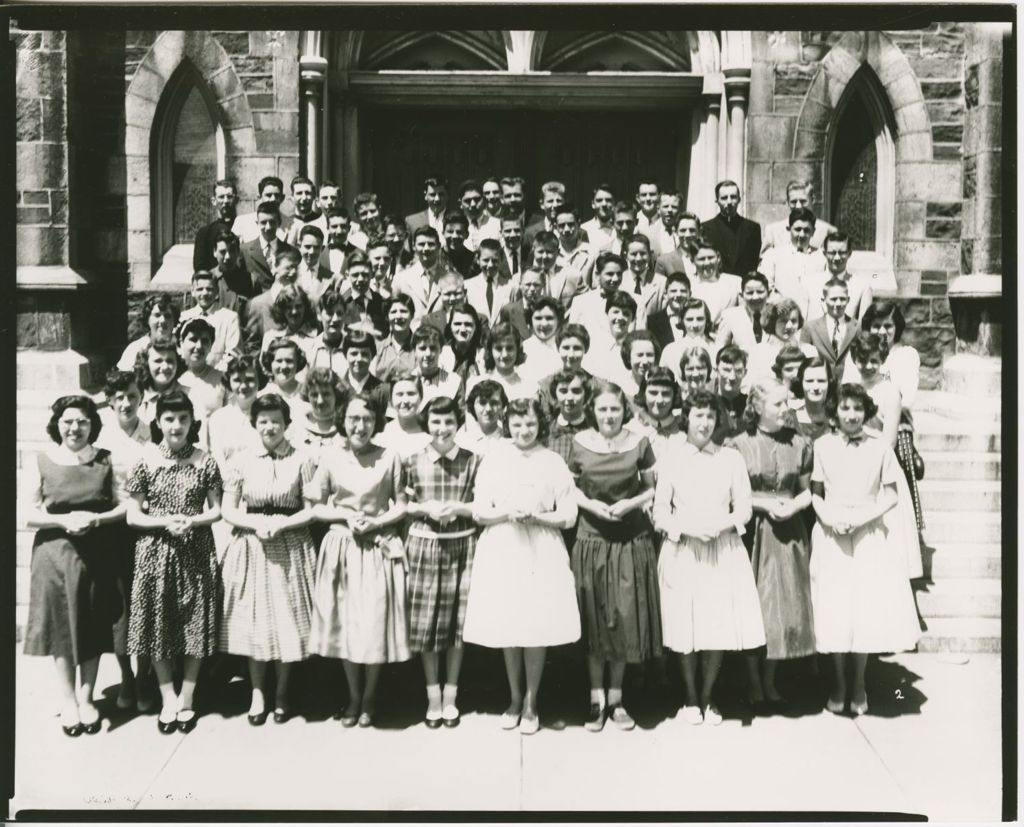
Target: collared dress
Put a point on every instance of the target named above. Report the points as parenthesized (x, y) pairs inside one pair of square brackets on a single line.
[(473, 439), (780, 551), (268, 584), (614, 561), (859, 586), (174, 595), (440, 555), (709, 599), (521, 594), (359, 592), (402, 442), (76, 606)]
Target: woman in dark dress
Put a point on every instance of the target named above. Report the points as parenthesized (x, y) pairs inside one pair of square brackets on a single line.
[(71, 497), (779, 463)]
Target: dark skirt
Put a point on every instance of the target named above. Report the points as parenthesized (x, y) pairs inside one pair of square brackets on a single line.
[(780, 557), (438, 586), (76, 600), (617, 592)]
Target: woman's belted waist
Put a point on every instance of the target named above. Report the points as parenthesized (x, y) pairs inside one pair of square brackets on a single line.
[(275, 510)]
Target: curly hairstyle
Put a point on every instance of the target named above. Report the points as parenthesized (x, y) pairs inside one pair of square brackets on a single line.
[(80, 403), (881, 309), (776, 312), (280, 343), (755, 401), (574, 331), (175, 401), (441, 405), (142, 374), (797, 388), (270, 402), (483, 389), (567, 375), (406, 376), (694, 303), (701, 355), (292, 296), (371, 405), (787, 355), (631, 338), (163, 301), (501, 331), (525, 407), (117, 381), (866, 345), (242, 364), (658, 377), (849, 390), (602, 387), (701, 398), (322, 377), (554, 306)]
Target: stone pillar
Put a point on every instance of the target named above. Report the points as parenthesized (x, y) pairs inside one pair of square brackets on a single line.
[(313, 73), (975, 296), (737, 89), (713, 109)]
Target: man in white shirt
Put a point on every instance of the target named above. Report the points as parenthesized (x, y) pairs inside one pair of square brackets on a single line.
[(481, 223), (552, 196), (493, 288), (513, 254), (624, 222), (588, 309), (314, 276), (680, 257), (435, 194), (789, 268), (573, 250), (833, 333), (663, 232), (600, 229), (640, 280), (648, 195), (741, 325), (776, 234), (306, 212), (837, 255), (366, 206), (224, 322), (419, 281), (270, 190), (338, 246), (491, 190)]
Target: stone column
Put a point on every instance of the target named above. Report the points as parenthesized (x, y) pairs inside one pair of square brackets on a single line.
[(713, 109), (975, 296), (313, 73), (737, 90)]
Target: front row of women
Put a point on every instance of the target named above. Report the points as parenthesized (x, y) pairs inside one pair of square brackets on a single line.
[(424, 553)]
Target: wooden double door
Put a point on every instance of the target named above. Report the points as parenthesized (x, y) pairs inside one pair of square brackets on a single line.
[(399, 147)]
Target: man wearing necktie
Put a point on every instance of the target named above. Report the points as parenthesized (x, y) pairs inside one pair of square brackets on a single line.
[(512, 244), (363, 305), (260, 254), (832, 333), (560, 283), (420, 280), (667, 325), (493, 288), (647, 286)]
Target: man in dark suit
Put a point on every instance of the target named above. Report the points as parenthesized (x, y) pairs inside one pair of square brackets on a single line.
[(666, 326), (361, 302), (225, 201), (513, 200), (338, 247), (435, 193), (314, 276), (258, 318), (456, 231), (552, 196), (230, 269), (453, 293), (515, 255), (833, 333), (738, 239), (517, 313), (260, 254)]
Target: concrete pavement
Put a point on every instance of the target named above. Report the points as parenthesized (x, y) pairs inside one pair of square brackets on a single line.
[(931, 746)]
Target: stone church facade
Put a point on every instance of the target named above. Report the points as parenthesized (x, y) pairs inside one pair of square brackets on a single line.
[(120, 135)]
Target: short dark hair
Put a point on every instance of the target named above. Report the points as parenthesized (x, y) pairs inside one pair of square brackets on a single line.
[(289, 297), (679, 276), (456, 217), (602, 386), (402, 299), (661, 377), (639, 238), (225, 235), (625, 206), (372, 406), (269, 208), (287, 254), (269, 402), (754, 275), (801, 214), (731, 354), (435, 181), (165, 302), (567, 375), (441, 405), (797, 388), (573, 330), (602, 187), (551, 304), (524, 407), (301, 179), (689, 216), (357, 258), (621, 300), (634, 336), (359, 339), (173, 401), (608, 256), (405, 376), (788, 355), (865, 344), (503, 330), (337, 212), (838, 236), (568, 207), (464, 308), (425, 230), (701, 398), (203, 275), (280, 343), (313, 230), (546, 239), (198, 327), (240, 365), (882, 309), (485, 388), (428, 334), (269, 181), (726, 183), (79, 402), (693, 303), (322, 377), (117, 381), (469, 185), (849, 390), (704, 243)]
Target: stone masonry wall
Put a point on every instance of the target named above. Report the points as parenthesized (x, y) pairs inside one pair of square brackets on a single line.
[(798, 78), (42, 179)]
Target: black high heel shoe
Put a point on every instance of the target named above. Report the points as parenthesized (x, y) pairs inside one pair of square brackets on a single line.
[(166, 727), (257, 719)]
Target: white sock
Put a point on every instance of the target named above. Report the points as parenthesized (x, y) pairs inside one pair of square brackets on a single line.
[(597, 697), (614, 697), (433, 693), (450, 692)]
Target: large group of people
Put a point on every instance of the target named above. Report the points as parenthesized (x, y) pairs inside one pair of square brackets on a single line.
[(372, 438)]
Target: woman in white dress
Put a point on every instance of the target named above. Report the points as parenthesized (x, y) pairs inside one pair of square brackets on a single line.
[(295, 319), (404, 434), (860, 594), (782, 322), (484, 425), (230, 428), (522, 597), (282, 361), (869, 352), (697, 333), (709, 600), (318, 428), (503, 359), (463, 353), (541, 349)]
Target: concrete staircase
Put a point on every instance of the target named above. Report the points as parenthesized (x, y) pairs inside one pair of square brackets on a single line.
[(958, 432)]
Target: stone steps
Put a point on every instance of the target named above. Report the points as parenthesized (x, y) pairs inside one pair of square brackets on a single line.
[(961, 495), (962, 527), (960, 597), (962, 634), (958, 406), (938, 432), (964, 560), (961, 465)]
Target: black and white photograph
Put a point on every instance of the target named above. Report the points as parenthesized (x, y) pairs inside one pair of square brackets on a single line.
[(598, 413)]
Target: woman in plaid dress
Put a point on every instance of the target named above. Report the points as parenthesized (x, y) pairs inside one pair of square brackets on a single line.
[(269, 562), (439, 483)]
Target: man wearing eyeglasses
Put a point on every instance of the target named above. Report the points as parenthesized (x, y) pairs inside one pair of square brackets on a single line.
[(481, 223)]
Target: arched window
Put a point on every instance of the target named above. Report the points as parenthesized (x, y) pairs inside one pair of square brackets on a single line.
[(860, 165), (187, 156)]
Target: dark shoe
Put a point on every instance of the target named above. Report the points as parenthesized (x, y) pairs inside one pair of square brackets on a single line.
[(187, 720), (167, 727), (596, 718), (432, 723), (93, 726), (365, 720), (72, 731), (349, 721), (451, 720), (622, 719), (282, 716), (257, 719)]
